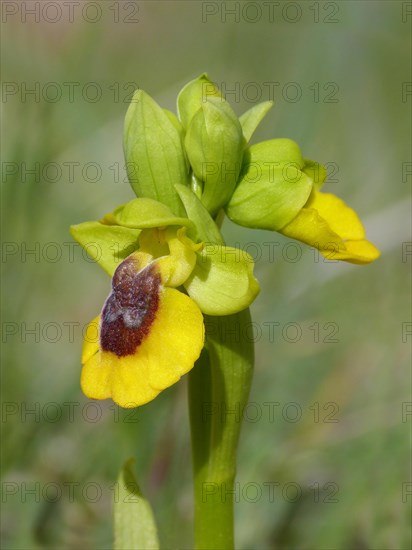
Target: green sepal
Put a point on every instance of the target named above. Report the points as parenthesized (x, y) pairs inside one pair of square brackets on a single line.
[(269, 198), (193, 95), (274, 153), (134, 523), (316, 171), (214, 144), (222, 282), (154, 152), (144, 214), (108, 245), (204, 228), (253, 117)]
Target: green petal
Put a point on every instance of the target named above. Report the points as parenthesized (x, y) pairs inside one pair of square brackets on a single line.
[(205, 229), (108, 245), (193, 95), (144, 214), (222, 281), (253, 117), (214, 143), (269, 198), (154, 152)]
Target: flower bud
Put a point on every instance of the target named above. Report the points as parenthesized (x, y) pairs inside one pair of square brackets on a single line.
[(153, 147), (214, 144), (192, 97), (273, 188)]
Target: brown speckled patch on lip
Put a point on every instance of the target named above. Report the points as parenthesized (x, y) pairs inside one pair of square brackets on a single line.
[(130, 310)]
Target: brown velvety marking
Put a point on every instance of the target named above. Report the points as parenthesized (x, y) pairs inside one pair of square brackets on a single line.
[(130, 309)]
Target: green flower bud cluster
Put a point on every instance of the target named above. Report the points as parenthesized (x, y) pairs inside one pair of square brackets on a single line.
[(206, 151)]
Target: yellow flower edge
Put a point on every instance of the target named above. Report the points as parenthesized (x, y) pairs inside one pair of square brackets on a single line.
[(169, 351), (327, 223)]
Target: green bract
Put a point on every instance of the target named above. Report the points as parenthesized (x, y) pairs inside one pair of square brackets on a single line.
[(253, 117), (214, 144), (154, 152), (273, 187), (205, 228)]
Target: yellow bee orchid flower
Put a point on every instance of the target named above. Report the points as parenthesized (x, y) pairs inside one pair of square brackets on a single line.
[(280, 191), (148, 334)]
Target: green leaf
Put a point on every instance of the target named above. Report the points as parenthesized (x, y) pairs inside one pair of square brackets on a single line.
[(222, 281), (193, 95), (134, 524), (269, 198), (154, 152), (253, 117), (205, 229), (214, 144), (108, 245), (143, 214)]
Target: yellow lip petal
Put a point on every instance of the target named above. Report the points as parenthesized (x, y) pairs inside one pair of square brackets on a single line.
[(177, 339), (130, 385), (95, 376), (91, 340), (169, 351)]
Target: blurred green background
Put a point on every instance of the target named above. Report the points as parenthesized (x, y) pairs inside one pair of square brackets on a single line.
[(324, 454)]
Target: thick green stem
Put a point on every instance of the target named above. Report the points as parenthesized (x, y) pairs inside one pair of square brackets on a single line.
[(218, 391)]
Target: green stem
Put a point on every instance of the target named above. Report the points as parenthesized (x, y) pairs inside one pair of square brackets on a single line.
[(218, 391)]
